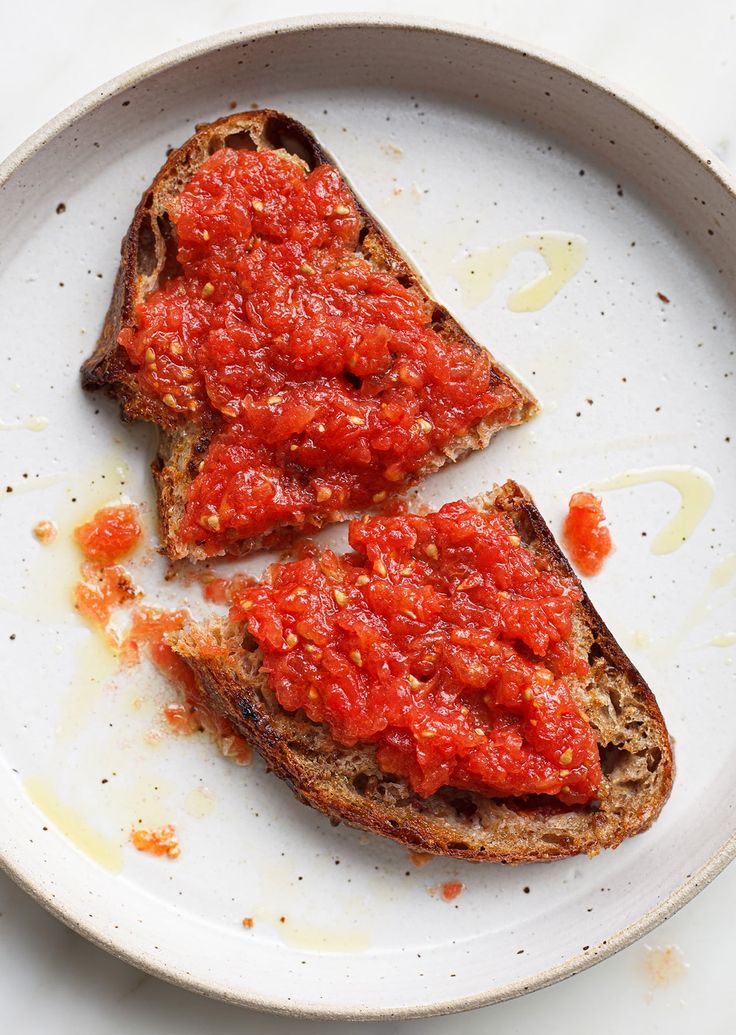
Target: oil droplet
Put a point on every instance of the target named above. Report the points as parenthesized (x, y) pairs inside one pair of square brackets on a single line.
[(140, 797), (696, 490), (95, 663), (719, 578), (73, 825), (29, 424), (724, 640), (48, 598), (323, 939), (200, 802), (480, 272), (723, 572)]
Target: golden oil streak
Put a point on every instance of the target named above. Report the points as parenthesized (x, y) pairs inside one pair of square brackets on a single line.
[(480, 272), (101, 849), (696, 490)]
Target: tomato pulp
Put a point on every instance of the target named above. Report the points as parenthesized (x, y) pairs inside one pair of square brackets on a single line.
[(443, 641), (110, 534), (323, 382), (100, 590), (157, 842), (585, 535)]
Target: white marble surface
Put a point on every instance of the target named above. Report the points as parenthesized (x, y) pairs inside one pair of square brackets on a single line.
[(680, 58)]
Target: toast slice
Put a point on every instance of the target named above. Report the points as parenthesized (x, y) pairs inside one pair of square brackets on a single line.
[(347, 783), (149, 259)]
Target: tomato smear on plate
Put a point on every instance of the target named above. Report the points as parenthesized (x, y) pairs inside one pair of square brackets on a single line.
[(147, 632), (100, 590), (180, 719), (218, 590)]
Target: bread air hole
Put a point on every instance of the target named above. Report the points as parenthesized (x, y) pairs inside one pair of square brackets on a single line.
[(615, 699), (241, 141), (146, 257), (654, 757), (594, 653), (171, 266), (465, 807), (282, 132), (611, 757)]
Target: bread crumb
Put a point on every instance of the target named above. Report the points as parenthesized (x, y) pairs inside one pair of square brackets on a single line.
[(45, 531)]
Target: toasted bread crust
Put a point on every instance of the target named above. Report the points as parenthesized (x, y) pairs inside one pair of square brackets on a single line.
[(145, 252), (347, 784)]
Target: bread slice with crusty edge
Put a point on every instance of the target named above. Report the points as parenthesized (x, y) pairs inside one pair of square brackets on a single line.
[(347, 784), (149, 254)]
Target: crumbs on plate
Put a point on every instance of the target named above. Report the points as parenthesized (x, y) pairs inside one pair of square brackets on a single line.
[(45, 531), (157, 842), (448, 891)]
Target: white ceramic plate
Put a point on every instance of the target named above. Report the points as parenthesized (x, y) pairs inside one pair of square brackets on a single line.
[(457, 143)]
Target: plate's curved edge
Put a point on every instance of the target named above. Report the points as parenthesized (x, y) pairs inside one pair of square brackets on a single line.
[(305, 23), (569, 968), (31, 146)]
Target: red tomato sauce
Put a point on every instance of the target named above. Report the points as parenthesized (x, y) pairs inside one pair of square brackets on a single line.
[(443, 641), (587, 539), (100, 590), (219, 590), (110, 534), (322, 382)]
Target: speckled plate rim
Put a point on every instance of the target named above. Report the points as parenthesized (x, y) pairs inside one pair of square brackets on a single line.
[(720, 173)]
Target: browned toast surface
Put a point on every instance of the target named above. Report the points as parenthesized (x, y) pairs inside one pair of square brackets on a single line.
[(148, 254), (347, 784)]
